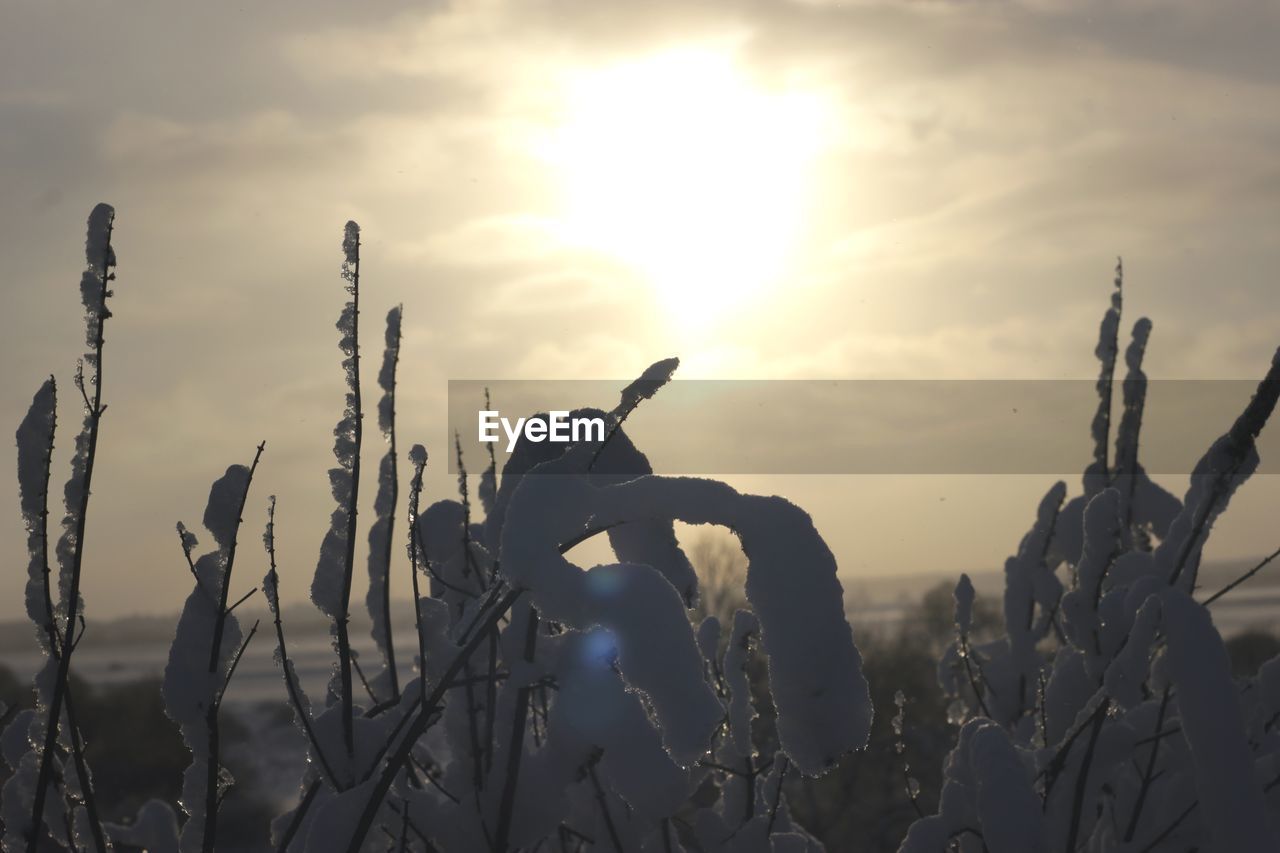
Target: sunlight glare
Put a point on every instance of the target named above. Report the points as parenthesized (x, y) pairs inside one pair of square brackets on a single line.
[(680, 168)]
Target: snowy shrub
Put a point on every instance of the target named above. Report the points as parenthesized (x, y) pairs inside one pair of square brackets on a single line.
[(548, 704), (552, 706), (51, 790), (1106, 718)]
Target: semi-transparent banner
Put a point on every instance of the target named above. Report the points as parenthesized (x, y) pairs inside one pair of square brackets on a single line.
[(720, 427)]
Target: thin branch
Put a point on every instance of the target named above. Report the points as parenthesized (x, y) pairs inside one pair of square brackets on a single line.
[(235, 661), (242, 599), (435, 783), (418, 457), (355, 664), (466, 514), (1147, 775), (88, 795), (974, 682), (515, 750), (1244, 577), (491, 702), (567, 546), (299, 814), (271, 586), (424, 717), (213, 764), (1168, 830), (1082, 778), (220, 621), (604, 807), (1059, 760), (416, 537)]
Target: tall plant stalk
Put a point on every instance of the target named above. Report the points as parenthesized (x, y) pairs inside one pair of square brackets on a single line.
[(95, 290)]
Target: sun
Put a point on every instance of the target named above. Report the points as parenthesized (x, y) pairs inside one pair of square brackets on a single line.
[(682, 169)]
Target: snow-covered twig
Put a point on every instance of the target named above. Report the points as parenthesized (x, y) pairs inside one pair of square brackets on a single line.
[(297, 697), (95, 289), (382, 530), (1106, 351), (203, 657), (331, 587)]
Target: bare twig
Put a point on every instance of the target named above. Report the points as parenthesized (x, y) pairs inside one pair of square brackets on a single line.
[(242, 599), (1244, 577)]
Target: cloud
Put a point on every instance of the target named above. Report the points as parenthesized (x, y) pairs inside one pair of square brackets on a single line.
[(989, 161)]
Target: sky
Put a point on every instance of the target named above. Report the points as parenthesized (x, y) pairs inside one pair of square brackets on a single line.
[(564, 189)]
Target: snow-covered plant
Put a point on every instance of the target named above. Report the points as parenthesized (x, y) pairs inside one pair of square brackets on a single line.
[(381, 532), (553, 703), (51, 790), (206, 647), (555, 706), (1106, 718)]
